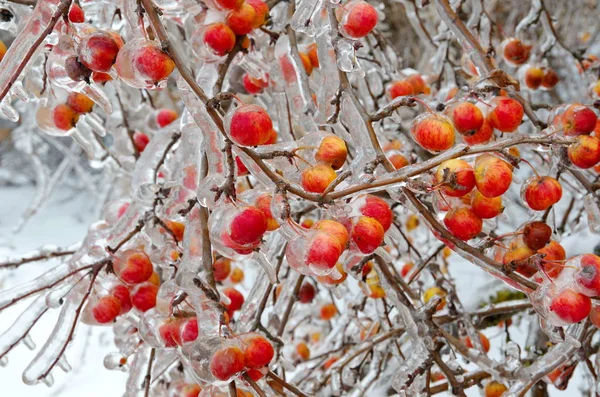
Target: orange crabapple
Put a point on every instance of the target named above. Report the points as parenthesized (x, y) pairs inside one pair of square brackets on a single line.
[(329, 362), (553, 251), (515, 51), (332, 151), (177, 228), (250, 125), (328, 311), (406, 268), (400, 88), (311, 51), (236, 300), (236, 276), (588, 274), (121, 292), (585, 152), (261, 10), (506, 114), (578, 119), (189, 390), (462, 223), (433, 132), (221, 268), (76, 14), (358, 18), (494, 389), (133, 266), (595, 316), (64, 117), (80, 103), (98, 51), (467, 118), (536, 235), (571, 306), (248, 226), (164, 117), (485, 342), (219, 38), (140, 140), (241, 19), (418, 84), (306, 293), (435, 291), (398, 160), (303, 351), (330, 280), (367, 234), (482, 135), (227, 362), (540, 193), (101, 78), (517, 253), (263, 203), (106, 309), (258, 351), (316, 179), (493, 175), (412, 222), (456, 177), (144, 296), (485, 207)]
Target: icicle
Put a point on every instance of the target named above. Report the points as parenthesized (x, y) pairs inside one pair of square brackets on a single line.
[(22, 325), (137, 374), (301, 20)]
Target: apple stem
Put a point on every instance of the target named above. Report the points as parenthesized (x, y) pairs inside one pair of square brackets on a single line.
[(419, 100), (532, 168), (445, 201)]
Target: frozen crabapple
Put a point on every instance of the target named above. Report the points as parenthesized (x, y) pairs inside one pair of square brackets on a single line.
[(133, 266), (221, 268), (313, 55), (144, 296), (494, 389), (226, 362), (218, 38), (316, 179), (376, 208), (515, 51), (261, 10), (462, 223), (263, 203), (482, 135), (98, 51), (485, 342), (456, 177), (400, 88), (357, 18), (433, 132), (328, 311), (64, 117), (224, 4), (140, 140), (76, 14), (570, 306), (258, 351), (418, 83), (247, 226), (152, 63), (467, 118), (241, 19), (398, 160), (236, 276), (585, 152), (236, 300), (540, 193), (323, 251), (536, 234), (493, 176), (240, 167), (550, 79), (435, 291), (578, 119), (367, 234), (106, 309), (303, 351), (306, 293), (334, 229), (506, 114), (332, 151), (588, 274), (80, 103), (121, 292), (485, 207), (164, 117), (253, 85), (250, 125), (517, 254), (533, 77)]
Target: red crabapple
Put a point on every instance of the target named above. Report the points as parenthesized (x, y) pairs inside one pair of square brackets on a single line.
[(76, 14), (153, 64), (250, 125), (553, 252), (485, 207), (515, 51), (400, 88), (262, 12), (456, 176), (482, 135), (517, 253), (536, 235), (334, 229), (406, 268), (101, 78), (313, 55), (80, 103), (316, 179), (506, 115), (306, 293), (241, 20), (140, 140), (467, 118), (595, 316), (272, 138), (121, 292), (241, 168), (258, 351), (226, 362), (578, 119), (358, 18), (433, 132), (106, 309), (332, 151), (493, 175), (571, 306), (236, 300), (98, 51), (463, 223), (188, 390), (133, 267), (367, 234), (378, 209), (550, 79), (188, 331), (323, 251), (144, 296), (219, 38), (263, 203), (164, 117), (228, 4), (64, 117), (540, 193), (169, 332), (221, 268), (418, 83), (485, 342), (328, 311), (588, 275), (533, 77), (585, 152), (252, 85), (248, 226)]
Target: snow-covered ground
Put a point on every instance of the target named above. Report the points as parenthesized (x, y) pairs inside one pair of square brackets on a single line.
[(64, 220)]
